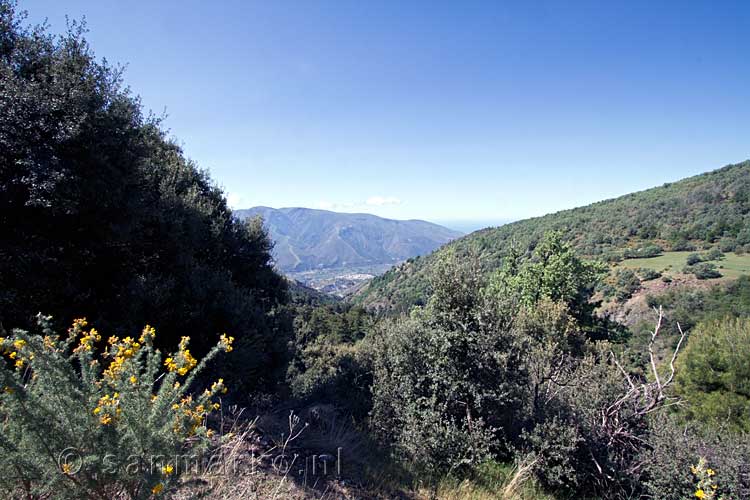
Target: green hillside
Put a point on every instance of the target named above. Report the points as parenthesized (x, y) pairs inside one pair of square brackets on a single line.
[(691, 214)]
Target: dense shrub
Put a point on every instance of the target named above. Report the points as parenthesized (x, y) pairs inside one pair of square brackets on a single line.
[(670, 463), (703, 270), (682, 245), (327, 363), (713, 254), (428, 406), (78, 422), (501, 367), (626, 284), (648, 274), (727, 245), (714, 374), (693, 259)]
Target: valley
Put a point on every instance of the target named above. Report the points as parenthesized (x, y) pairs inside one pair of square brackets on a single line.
[(157, 342), (338, 252)]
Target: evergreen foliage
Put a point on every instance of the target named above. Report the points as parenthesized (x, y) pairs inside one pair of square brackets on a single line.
[(81, 423), (101, 213)]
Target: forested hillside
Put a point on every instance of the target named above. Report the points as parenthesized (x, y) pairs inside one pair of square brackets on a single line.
[(686, 215)]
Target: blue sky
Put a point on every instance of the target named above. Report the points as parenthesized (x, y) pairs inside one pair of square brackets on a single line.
[(444, 111)]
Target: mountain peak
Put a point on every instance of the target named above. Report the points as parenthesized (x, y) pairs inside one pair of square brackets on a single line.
[(308, 239)]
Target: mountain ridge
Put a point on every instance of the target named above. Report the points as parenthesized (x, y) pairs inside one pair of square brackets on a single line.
[(312, 239), (703, 209)]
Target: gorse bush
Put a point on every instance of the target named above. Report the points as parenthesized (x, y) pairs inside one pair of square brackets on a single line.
[(81, 422)]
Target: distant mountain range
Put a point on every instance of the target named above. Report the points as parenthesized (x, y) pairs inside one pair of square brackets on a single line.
[(307, 239)]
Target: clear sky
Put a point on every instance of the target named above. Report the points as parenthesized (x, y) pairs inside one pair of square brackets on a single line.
[(435, 110)]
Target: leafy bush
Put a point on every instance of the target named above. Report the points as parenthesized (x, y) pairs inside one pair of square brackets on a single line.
[(327, 363), (727, 245), (703, 271), (714, 374), (682, 245), (648, 274), (75, 428), (626, 284), (680, 456), (693, 259), (643, 252), (713, 254)]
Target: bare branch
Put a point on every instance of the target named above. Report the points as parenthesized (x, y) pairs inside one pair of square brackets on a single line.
[(674, 355), (651, 349)]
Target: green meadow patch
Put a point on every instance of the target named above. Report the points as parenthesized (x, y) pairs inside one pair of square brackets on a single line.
[(731, 266)]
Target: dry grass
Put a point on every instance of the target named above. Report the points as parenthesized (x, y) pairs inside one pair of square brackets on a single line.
[(493, 481), (247, 465), (287, 455)]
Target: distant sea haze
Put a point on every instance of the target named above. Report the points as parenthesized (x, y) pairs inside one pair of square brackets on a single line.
[(468, 226)]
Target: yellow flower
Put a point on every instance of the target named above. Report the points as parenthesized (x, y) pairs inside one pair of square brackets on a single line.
[(170, 364), (66, 468), (97, 410), (106, 419), (19, 363), (710, 472), (18, 344), (148, 333), (226, 342), (133, 380), (13, 355), (700, 493), (218, 385), (157, 489), (49, 342), (167, 469)]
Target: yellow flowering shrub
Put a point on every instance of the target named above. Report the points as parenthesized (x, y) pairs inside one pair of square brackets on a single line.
[(85, 417), (706, 487)]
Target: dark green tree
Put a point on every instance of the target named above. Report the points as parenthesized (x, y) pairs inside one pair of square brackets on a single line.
[(102, 216), (714, 373)]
